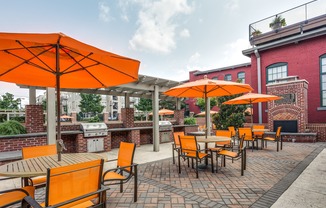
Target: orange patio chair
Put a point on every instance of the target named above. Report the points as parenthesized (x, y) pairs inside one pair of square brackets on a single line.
[(258, 134), (125, 170), (189, 150), (77, 185), (176, 143), (37, 151), (276, 139), (15, 196), (248, 136), (241, 153)]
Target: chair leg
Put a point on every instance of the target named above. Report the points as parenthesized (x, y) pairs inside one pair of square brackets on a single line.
[(179, 162), (223, 160), (242, 164), (277, 145), (212, 162), (173, 159), (281, 143), (245, 159), (135, 184), (196, 167), (216, 162)]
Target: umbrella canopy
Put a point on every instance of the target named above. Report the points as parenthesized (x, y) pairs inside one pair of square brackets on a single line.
[(66, 117), (164, 112), (204, 113), (57, 60), (205, 88), (251, 98)]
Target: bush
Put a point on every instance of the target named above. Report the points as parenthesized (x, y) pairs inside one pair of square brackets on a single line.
[(94, 119), (11, 128), (190, 121)]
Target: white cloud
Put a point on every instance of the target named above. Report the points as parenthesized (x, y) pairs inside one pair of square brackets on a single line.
[(185, 33), (194, 58), (233, 53), (232, 5), (156, 31), (104, 10)]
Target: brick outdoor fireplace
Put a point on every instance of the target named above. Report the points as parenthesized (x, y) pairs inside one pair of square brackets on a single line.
[(291, 112)]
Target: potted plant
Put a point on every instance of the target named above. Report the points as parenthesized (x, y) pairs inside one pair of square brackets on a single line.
[(277, 22), (256, 32)]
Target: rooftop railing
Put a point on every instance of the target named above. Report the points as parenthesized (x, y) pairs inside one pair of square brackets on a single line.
[(299, 14)]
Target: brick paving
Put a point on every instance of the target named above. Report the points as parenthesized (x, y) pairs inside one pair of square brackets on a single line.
[(268, 175)]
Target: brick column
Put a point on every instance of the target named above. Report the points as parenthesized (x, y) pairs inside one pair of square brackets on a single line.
[(134, 137), (74, 117), (105, 117), (107, 142), (34, 119), (127, 117), (81, 143), (179, 116)]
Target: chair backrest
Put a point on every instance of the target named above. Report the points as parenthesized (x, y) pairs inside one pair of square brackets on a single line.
[(241, 142), (232, 130), (37, 151), (188, 143), (225, 133), (72, 181), (126, 155), (278, 132), (258, 133), (245, 131), (176, 137)]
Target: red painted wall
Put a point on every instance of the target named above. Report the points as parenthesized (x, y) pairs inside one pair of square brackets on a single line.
[(303, 61)]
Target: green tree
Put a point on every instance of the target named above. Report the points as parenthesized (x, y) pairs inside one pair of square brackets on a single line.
[(90, 104), (201, 103), (8, 102), (229, 115), (167, 104), (144, 105)]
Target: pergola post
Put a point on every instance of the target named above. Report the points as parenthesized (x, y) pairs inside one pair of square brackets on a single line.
[(156, 135), (50, 118)]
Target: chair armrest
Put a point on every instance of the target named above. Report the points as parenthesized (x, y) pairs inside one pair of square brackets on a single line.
[(30, 202), (119, 168), (111, 160)]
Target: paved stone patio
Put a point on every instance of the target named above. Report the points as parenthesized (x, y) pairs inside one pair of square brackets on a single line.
[(268, 175)]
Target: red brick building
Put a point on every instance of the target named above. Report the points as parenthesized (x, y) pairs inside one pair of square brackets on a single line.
[(293, 53)]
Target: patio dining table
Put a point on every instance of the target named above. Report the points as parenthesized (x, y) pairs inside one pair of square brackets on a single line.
[(262, 140), (38, 166)]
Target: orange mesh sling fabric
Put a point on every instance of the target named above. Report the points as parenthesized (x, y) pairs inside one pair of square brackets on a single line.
[(225, 134), (247, 132), (68, 182), (125, 155), (176, 137), (258, 134), (15, 195), (232, 130), (30, 152)]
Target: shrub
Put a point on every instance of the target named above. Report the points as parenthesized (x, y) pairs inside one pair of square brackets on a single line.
[(11, 128), (190, 121)]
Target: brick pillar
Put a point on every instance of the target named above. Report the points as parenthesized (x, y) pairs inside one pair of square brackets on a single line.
[(81, 143), (74, 117), (105, 117), (107, 142), (34, 119), (179, 116), (127, 117), (134, 137)]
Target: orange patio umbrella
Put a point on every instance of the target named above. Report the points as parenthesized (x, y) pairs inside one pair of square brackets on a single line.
[(57, 60), (205, 88), (204, 113), (251, 98), (164, 112)]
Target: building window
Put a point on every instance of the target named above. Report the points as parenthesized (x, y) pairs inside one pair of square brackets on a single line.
[(277, 71), (242, 77), (323, 80), (214, 78), (228, 77)]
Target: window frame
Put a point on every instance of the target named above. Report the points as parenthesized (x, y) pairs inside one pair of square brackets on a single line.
[(244, 77), (228, 75), (274, 66), (321, 74)]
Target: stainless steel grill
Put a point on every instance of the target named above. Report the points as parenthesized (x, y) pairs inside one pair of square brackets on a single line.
[(94, 129), (165, 126)]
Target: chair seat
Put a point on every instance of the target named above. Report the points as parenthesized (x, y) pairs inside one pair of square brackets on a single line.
[(269, 138), (81, 205), (193, 154), (114, 176), (14, 196), (215, 149), (228, 153)]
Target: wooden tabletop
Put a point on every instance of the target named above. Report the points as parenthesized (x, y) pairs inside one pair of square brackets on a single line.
[(260, 130), (37, 166), (212, 139)]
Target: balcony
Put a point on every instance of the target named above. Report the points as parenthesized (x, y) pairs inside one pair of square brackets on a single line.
[(302, 19)]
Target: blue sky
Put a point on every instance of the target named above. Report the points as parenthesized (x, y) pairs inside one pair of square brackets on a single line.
[(169, 37)]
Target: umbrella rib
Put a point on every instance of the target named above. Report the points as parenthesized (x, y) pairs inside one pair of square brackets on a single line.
[(37, 56)]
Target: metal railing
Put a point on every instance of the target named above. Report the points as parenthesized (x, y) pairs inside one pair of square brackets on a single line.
[(299, 14)]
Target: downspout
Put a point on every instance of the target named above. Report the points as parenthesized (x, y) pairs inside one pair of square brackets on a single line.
[(260, 116)]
